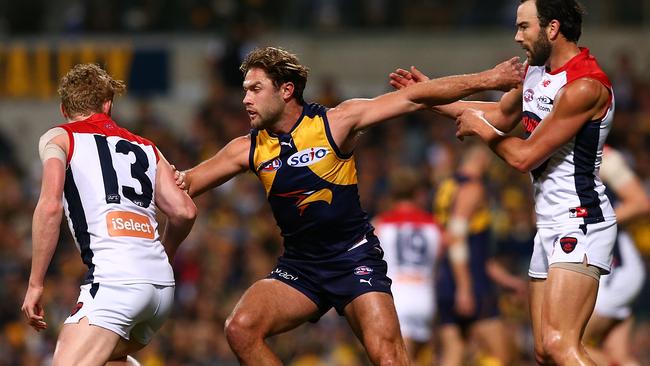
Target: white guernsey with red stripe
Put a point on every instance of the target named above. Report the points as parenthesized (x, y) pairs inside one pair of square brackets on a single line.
[(109, 203), (411, 240), (567, 186)]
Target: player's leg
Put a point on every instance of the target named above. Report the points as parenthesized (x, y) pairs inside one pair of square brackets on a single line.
[(535, 301), (491, 336), (268, 307), (617, 344), (596, 332), (569, 298), (452, 345), (82, 344), (373, 319)]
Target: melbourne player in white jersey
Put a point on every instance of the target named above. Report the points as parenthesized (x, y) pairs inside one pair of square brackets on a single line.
[(109, 182), (411, 240), (609, 328), (566, 105)]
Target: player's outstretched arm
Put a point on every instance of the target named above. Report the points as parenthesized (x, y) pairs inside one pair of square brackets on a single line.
[(355, 115), (176, 204), (224, 165), (577, 103), (46, 223), (504, 114)]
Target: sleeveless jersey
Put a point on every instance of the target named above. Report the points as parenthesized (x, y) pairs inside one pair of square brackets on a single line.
[(109, 203), (566, 186), (478, 239), (411, 240), (311, 186)]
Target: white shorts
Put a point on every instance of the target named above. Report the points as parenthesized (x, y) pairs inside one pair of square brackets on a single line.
[(415, 307), (618, 290), (133, 311), (569, 244)]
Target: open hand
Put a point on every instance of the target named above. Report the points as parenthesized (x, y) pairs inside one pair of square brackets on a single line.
[(401, 78)]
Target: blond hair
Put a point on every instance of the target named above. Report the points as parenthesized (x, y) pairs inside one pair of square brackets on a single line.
[(86, 87)]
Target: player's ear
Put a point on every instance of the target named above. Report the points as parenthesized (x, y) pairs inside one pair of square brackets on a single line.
[(107, 106), (553, 29), (287, 89)]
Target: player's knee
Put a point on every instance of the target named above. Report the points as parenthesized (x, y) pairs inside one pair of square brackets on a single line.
[(557, 346), (240, 331), (387, 352)]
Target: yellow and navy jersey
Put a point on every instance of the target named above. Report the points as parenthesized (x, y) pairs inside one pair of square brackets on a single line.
[(478, 240), (311, 186), (444, 201)]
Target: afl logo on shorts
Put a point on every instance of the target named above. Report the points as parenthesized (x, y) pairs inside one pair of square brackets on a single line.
[(362, 270), (307, 157), (76, 308), (568, 244)]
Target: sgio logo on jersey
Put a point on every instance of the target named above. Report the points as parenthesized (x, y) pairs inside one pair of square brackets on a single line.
[(307, 157), (122, 223)]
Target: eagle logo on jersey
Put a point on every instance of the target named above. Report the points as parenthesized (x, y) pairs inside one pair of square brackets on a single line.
[(568, 244), (305, 198)]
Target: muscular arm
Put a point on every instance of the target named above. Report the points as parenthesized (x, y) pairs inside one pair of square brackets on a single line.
[(225, 164), (503, 115), (176, 205), (46, 224), (468, 199), (355, 115), (576, 104)]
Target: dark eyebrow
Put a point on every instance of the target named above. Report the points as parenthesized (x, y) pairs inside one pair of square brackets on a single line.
[(522, 23)]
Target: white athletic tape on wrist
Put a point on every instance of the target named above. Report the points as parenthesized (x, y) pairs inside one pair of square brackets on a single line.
[(496, 130), (458, 229)]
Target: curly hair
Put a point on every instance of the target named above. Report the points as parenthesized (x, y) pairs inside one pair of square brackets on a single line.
[(86, 87), (281, 66)]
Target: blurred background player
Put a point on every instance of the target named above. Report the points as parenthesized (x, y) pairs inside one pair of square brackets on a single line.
[(110, 183), (411, 240), (609, 329), (467, 298)]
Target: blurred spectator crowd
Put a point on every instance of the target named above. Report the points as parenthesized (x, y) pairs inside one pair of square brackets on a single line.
[(146, 16), (235, 241)]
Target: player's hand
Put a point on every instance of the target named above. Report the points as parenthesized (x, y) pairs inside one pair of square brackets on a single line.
[(401, 78), (464, 304), (32, 308), (507, 75), (466, 123), (179, 177)]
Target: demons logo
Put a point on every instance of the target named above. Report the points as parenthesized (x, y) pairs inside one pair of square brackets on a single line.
[(568, 244), (529, 94)]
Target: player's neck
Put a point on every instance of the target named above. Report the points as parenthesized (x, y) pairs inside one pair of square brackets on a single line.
[(78, 118), (292, 112), (563, 51)]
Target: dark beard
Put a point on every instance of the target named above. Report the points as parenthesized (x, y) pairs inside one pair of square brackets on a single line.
[(540, 51)]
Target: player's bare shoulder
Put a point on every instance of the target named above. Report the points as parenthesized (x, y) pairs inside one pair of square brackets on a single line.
[(585, 94)]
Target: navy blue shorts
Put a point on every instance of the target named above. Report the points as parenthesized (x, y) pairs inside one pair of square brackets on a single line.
[(486, 308), (336, 281)]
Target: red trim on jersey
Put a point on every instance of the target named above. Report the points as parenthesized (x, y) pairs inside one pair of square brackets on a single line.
[(585, 66), (102, 124), (407, 213), (70, 144)]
